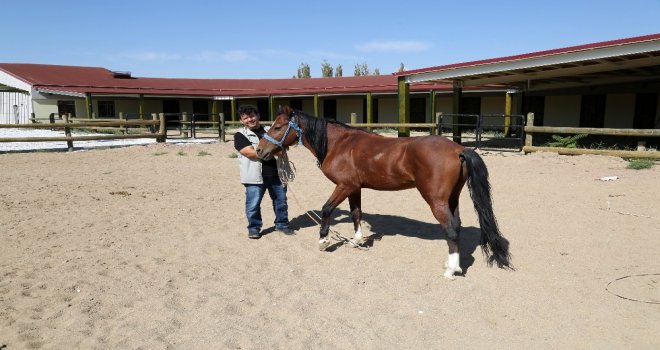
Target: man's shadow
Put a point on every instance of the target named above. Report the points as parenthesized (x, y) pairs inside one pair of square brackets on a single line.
[(391, 225)]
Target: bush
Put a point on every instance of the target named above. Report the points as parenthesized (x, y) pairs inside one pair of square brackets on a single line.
[(638, 164), (565, 142)]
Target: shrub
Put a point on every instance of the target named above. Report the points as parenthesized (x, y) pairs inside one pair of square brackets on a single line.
[(638, 164)]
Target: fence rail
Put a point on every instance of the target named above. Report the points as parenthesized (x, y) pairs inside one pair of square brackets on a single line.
[(69, 124), (530, 130)]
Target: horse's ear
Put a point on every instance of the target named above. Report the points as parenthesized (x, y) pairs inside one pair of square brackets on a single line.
[(286, 109)]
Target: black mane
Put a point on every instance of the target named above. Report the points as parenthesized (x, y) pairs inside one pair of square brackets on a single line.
[(315, 131)]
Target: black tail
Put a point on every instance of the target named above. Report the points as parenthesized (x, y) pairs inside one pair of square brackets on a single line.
[(493, 244)]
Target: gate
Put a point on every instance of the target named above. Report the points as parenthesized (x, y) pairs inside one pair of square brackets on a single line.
[(486, 131), (15, 107)]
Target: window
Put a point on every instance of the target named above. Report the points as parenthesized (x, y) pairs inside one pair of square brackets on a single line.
[(106, 109), (66, 107)]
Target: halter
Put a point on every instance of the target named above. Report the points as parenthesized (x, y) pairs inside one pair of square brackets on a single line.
[(292, 125)]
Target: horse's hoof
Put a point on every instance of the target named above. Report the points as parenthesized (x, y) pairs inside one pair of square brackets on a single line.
[(324, 244), (449, 274)]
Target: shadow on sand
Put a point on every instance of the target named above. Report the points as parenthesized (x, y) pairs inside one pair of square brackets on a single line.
[(391, 225)]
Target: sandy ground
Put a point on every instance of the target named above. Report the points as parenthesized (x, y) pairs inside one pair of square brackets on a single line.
[(145, 247)]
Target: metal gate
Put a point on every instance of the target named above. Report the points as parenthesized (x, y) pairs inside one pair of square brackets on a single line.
[(486, 131), (15, 107)]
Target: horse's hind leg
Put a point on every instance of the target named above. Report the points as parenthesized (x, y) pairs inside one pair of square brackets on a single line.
[(355, 202), (450, 224)]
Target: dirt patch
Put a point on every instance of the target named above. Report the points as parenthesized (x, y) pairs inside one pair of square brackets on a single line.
[(146, 247)]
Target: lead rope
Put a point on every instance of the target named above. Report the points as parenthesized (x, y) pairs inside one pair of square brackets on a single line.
[(287, 173)]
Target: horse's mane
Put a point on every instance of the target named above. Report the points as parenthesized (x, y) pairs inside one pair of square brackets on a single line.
[(316, 133)]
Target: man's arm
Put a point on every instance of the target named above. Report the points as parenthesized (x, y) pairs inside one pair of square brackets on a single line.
[(250, 152)]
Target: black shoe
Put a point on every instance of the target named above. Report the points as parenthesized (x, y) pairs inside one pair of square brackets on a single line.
[(254, 235), (286, 230)]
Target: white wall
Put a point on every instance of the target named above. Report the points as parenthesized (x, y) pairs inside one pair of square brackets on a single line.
[(563, 110), (619, 110), (388, 109), (348, 105)]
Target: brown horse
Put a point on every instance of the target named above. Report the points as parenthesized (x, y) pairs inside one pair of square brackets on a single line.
[(354, 159)]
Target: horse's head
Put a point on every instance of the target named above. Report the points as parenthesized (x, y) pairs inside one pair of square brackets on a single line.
[(282, 134)]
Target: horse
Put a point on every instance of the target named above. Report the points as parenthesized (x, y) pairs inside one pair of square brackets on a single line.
[(353, 159)]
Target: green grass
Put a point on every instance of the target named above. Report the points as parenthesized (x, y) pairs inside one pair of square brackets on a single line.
[(203, 153), (181, 153), (641, 163), (233, 155), (160, 153)]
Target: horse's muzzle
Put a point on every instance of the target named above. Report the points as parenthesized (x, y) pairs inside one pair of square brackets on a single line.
[(263, 154)]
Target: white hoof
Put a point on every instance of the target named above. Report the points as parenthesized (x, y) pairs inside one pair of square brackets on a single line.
[(449, 274), (323, 244)]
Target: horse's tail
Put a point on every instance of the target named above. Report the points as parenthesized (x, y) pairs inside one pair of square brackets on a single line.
[(494, 246)]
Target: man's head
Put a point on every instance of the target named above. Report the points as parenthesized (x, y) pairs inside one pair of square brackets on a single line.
[(249, 116)]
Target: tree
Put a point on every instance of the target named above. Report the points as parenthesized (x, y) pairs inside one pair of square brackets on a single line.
[(402, 67), (361, 70), (326, 69), (303, 71), (339, 71), (376, 71)]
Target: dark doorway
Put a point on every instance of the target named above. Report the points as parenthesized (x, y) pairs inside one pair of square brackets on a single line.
[(536, 105), (592, 111), (296, 104), (417, 109), (172, 112), (646, 107), (264, 109), (201, 109), (330, 109)]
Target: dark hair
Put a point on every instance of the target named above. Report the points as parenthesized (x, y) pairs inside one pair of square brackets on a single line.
[(247, 109)]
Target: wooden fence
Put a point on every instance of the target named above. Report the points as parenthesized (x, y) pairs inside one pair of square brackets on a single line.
[(91, 124), (530, 130)]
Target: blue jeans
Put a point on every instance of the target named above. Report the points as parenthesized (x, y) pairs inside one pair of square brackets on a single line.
[(253, 196)]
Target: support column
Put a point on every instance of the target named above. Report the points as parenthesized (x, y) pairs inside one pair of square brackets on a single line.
[(404, 106), (90, 106), (507, 112), (214, 111), (316, 105), (141, 106), (456, 110), (370, 110), (233, 109), (272, 109), (432, 105)]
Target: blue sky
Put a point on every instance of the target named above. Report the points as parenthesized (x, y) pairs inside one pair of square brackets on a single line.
[(270, 39)]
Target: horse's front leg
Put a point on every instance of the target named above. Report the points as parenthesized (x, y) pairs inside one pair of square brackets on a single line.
[(338, 195), (355, 201)]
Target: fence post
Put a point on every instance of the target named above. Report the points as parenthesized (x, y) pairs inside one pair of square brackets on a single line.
[(51, 118), (528, 135), (67, 132), (221, 127), (162, 131), (154, 116), (121, 116), (438, 123), (184, 124), (353, 118)]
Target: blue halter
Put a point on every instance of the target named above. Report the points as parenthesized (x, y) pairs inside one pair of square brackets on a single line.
[(292, 125)]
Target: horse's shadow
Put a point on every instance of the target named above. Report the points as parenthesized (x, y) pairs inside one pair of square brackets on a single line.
[(391, 225)]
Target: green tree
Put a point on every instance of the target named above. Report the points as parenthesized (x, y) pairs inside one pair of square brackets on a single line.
[(376, 71), (402, 67), (361, 69), (326, 69), (339, 71), (303, 71)]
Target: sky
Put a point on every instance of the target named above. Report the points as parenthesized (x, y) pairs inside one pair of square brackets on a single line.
[(271, 39)]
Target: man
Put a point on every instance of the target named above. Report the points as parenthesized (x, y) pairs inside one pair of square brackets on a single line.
[(258, 176)]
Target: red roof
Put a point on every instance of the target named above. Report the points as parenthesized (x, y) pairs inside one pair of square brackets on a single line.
[(98, 80), (564, 50)]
